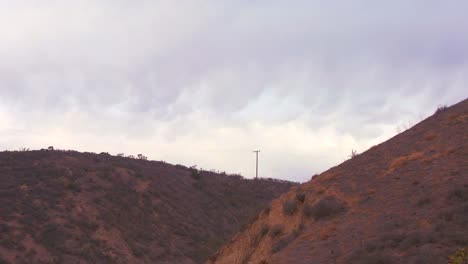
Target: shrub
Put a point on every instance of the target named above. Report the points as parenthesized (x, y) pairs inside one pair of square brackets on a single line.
[(423, 202), (308, 210), (213, 258), (412, 239), (458, 195), (359, 256), (182, 167), (282, 243), (4, 228), (73, 186), (441, 108), (298, 230), (264, 230), (267, 210), (195, 175), (300, 196), (459, 257), (289, 207), (52, 237), (328, 206), (276, 230), (142, 157), (137, 251)]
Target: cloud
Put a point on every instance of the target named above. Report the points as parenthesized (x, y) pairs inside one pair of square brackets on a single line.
[(206, 82)]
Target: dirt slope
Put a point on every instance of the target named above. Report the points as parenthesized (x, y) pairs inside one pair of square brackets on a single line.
[(70, 207), (403, 201)]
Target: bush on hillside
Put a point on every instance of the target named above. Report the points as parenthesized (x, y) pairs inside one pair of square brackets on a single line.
[(289, 207), (459, 257), (267, 209), (372, 258), (282, 243), (441, 108), (264, 230), (195, 175), (285, 241), (300, 196), (326, 207), (276, 230)]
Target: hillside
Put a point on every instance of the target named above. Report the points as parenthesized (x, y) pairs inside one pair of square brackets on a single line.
[(71, 207), (403, 201)]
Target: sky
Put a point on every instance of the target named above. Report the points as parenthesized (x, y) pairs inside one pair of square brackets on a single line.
[(206, 82)]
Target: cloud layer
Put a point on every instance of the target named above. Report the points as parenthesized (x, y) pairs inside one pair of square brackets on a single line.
[(206, 82)]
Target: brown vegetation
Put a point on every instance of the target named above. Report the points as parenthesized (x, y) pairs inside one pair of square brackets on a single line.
[(70, 207), (403, 201)]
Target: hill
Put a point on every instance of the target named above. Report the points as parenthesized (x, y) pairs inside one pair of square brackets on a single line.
[(71, 207), (403, 201)]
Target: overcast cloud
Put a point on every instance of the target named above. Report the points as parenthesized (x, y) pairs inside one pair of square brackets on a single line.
[(206, 82)]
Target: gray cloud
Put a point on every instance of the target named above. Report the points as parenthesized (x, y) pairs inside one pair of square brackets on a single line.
[(206, 82)]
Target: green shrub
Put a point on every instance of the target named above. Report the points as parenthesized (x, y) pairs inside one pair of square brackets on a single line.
[(459, 257)]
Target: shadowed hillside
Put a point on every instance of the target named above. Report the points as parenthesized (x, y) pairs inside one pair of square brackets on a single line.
[(403, 201), (70, 207)]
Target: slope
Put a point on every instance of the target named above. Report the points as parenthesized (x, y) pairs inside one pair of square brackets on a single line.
[(403, 201), (71, 207)]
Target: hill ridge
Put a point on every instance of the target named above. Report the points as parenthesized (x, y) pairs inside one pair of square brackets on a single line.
[(402, 201), (72, 207)]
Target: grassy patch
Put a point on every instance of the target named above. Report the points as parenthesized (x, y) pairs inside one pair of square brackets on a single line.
[(403, 160)]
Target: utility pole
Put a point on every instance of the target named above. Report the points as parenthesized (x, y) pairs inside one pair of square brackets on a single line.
[(256, 164)]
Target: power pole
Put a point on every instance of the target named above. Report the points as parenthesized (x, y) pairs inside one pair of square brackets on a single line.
[(256, 164)]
